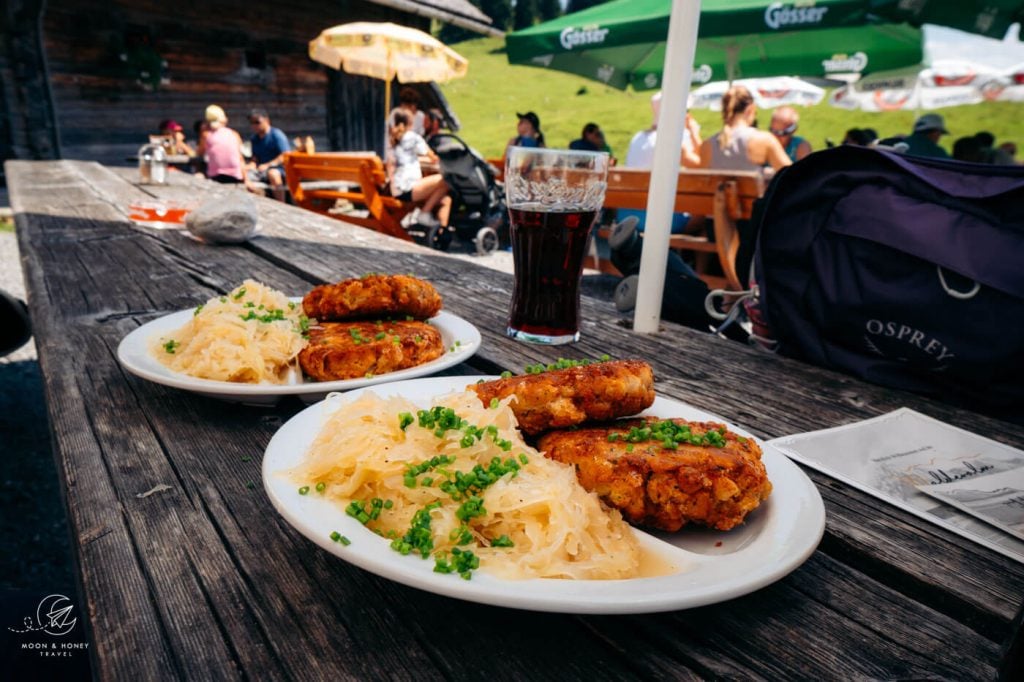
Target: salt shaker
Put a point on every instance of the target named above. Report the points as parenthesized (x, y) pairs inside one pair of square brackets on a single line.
[(152, 165)]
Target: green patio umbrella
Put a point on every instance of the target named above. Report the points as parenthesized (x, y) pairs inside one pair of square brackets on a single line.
[(622, 43), (985, 17)]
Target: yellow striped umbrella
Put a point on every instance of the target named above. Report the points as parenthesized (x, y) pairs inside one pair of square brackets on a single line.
[(387, 51)]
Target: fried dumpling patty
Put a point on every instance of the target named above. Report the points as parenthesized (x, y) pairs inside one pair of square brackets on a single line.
[(714, 484), (565, 397), (373, 296), (348, 350)]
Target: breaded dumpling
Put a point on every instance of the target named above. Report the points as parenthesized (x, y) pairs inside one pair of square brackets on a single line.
[(373, 296), (710, 477), (559, 398), (349, 350)]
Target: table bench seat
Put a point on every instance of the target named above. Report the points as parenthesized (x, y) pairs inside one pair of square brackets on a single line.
[(317, 181)]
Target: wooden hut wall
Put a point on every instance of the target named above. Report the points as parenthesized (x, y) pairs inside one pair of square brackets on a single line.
[(26, 112), (118, 67)]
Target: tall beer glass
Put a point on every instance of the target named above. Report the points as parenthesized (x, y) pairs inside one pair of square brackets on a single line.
[(554, 196)]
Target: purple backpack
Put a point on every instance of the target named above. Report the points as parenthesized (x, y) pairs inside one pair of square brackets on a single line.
[(904, 271)]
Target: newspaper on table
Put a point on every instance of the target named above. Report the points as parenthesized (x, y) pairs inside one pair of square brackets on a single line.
[(969, 484)]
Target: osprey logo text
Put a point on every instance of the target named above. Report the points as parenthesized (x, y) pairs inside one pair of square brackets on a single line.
[(571, 37), (53, 616), (777, 15)]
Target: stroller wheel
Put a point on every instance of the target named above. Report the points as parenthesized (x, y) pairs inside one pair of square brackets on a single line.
[(486, 241), (439, 237)]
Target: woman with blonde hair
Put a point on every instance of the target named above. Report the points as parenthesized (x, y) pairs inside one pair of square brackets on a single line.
[(221, 147), (739, 146)]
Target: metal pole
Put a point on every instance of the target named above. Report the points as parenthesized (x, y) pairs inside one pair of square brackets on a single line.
[(678, 71)]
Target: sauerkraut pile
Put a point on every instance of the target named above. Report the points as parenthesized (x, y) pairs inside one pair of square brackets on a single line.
[(251, 335), (456, 483)]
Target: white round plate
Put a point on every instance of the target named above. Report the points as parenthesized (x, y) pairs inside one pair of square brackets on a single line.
[(709, 566), (133, 353)]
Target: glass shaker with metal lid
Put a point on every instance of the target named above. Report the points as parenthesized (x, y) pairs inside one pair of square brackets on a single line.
[(152, 164)]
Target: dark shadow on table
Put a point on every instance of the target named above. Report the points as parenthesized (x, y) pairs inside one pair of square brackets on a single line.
[(33, 521)]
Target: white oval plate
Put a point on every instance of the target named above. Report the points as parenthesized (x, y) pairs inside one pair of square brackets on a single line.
[(133, 353), (711, 566)]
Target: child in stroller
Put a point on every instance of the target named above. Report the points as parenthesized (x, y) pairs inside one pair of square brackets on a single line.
[(478, 199)]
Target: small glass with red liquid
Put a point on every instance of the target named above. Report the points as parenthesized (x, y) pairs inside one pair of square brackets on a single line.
[(554, 197), (159, 213)]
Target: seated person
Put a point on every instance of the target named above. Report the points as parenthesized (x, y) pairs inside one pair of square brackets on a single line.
[(269, 145), (785, 121), (924, 140), (739, 146), (590, 140), (858, 137), (528, 132), (409, 102), (305, 145), (432, 125), (407, 180), (641, 155), (221, 146), (172, 129)]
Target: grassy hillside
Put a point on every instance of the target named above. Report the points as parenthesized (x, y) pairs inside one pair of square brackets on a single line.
[(487, 100)]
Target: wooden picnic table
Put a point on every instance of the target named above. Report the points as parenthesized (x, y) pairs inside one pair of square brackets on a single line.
[(207, 581)]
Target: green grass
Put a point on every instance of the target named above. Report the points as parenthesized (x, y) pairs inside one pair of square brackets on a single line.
[(487, 100), (6, 223)]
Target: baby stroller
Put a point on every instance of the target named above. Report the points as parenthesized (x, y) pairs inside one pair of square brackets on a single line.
[(478, 214)]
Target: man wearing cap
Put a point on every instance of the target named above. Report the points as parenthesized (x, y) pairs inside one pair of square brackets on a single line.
[(924, 141), (528, 129), (269, 145)]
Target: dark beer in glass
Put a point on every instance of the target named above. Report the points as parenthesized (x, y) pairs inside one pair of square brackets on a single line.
[(554, 197)]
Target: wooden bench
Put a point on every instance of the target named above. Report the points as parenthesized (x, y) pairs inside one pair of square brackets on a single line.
[(725, 196), (356, 177)]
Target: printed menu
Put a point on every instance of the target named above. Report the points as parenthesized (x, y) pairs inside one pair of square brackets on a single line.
[(969, 484)]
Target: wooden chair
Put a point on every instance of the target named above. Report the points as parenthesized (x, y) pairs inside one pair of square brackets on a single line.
[(318, 181), (726, 196)]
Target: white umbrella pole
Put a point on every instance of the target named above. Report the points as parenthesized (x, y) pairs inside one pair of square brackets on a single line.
[(678, 70)]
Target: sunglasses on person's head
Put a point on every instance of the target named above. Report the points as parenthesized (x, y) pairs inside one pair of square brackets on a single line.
[(788, 130)]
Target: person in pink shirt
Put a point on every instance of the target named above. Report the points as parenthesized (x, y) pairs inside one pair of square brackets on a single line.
[(222, 148)]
